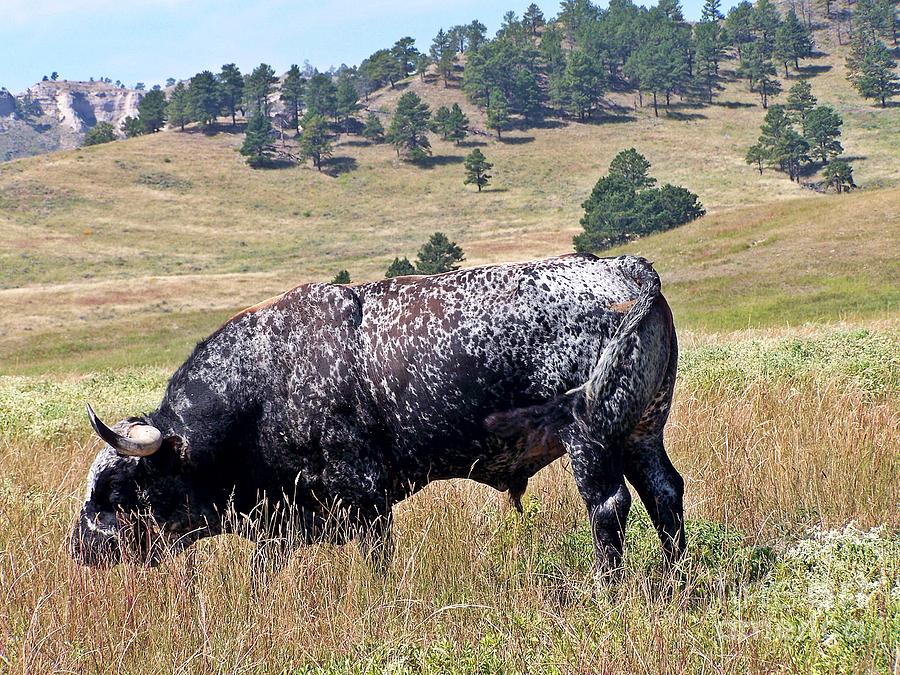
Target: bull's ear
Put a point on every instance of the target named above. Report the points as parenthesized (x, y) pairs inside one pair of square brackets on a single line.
[(175, 445)]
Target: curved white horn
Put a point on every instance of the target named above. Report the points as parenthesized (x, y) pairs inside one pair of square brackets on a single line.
[(141, 440)]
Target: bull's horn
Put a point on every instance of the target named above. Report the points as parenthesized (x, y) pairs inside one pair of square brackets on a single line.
[(142, 439)]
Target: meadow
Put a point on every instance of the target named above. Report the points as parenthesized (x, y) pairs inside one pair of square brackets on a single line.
[(116, 259)]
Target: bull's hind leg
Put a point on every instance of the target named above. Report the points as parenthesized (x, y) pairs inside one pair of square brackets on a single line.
[(661, 489), (598, 472)]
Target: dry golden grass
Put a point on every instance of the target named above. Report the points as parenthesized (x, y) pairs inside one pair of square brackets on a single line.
[(477, 588)]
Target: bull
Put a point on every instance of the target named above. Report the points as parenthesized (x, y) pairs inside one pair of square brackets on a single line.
[(337, 402)]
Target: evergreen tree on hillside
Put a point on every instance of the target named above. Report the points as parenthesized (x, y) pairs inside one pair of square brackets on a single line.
[(132, 126), (258, 87), (780, 144), (205, 98), (708, 41), (792, 41), (822, 128), (401, 267), (152, 110), (407, 131), (623, 205), (839, 176), (442, 54), (315, 143), (475, 35), (800, 100), (583, 82), (533, 18), (102, 132), (633, 167), (346, 97), (257, 146), (877, 76), (438, 255), (321, 96), (711, 11), (739, 26), (477, 168), (757, 155), (440, 121), (373, 130), (405, 53), (457, 124), (342, 277), (178, 109), (231, 84), (497, 112), (765, 22), (292, 90)]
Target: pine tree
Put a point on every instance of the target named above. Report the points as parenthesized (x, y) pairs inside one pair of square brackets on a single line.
[(756, 154), (314, 141), (346, 97), (457, 124), (822, 128), (401, 267), (633, 167), (231, 84), (800, 100), (497, 112), (205, 98), (839, 176), (257, 146), (292, 90), (877, 77), (132, 126), (342, 277), (406, 55), (258, 87), (373, 130), (438, 255), (440, 122), (583, 82), (102, 132), (442, 54), (711, 11), (792, 41), (321, 96), (152, 110), (707, 37), (407, 131), (477, 168), (533, 18), (178, 109), (739, 26)]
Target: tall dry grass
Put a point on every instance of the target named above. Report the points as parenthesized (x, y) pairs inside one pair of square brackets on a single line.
[(476, 588)]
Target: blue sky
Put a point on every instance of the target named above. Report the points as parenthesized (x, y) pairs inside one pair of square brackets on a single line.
[(150, 40)]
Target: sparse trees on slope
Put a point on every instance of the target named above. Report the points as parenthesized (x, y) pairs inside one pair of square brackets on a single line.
[(409, 126), (292, 90), (633, 167), (438, 255), (405, 53), (442, 54), (533, 18), (757, 155), (314, 140), (708, 40), (477, 168), (711, 11), (132, 126), (739, 26), (231, 84), (457, 124), (346, 97), (321, 96), (792, 41), (257, 146)]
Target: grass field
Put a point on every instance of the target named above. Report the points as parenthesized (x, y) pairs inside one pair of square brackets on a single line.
[(788, 445), (115, 260)]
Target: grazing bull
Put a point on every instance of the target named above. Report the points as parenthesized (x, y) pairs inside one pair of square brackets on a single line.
[(346, 400)]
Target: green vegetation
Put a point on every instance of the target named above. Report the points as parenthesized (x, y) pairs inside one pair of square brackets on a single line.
[(408, 127), (438, 255), (315, 143), (623, 205), (477, 168), (257, 146), (102, 132), (342, 277)]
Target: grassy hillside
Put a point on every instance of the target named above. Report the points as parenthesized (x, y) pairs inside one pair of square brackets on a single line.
[(129, 252)]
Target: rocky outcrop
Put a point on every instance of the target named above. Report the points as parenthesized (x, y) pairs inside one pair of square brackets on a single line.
[(59, 114)]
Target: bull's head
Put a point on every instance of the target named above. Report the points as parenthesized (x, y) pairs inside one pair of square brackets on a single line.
[(142, 498)]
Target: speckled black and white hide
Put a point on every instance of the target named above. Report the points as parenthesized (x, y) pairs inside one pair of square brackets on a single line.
[(340, 401)]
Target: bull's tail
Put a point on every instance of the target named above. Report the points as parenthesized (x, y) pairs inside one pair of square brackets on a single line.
[(599, 380)]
